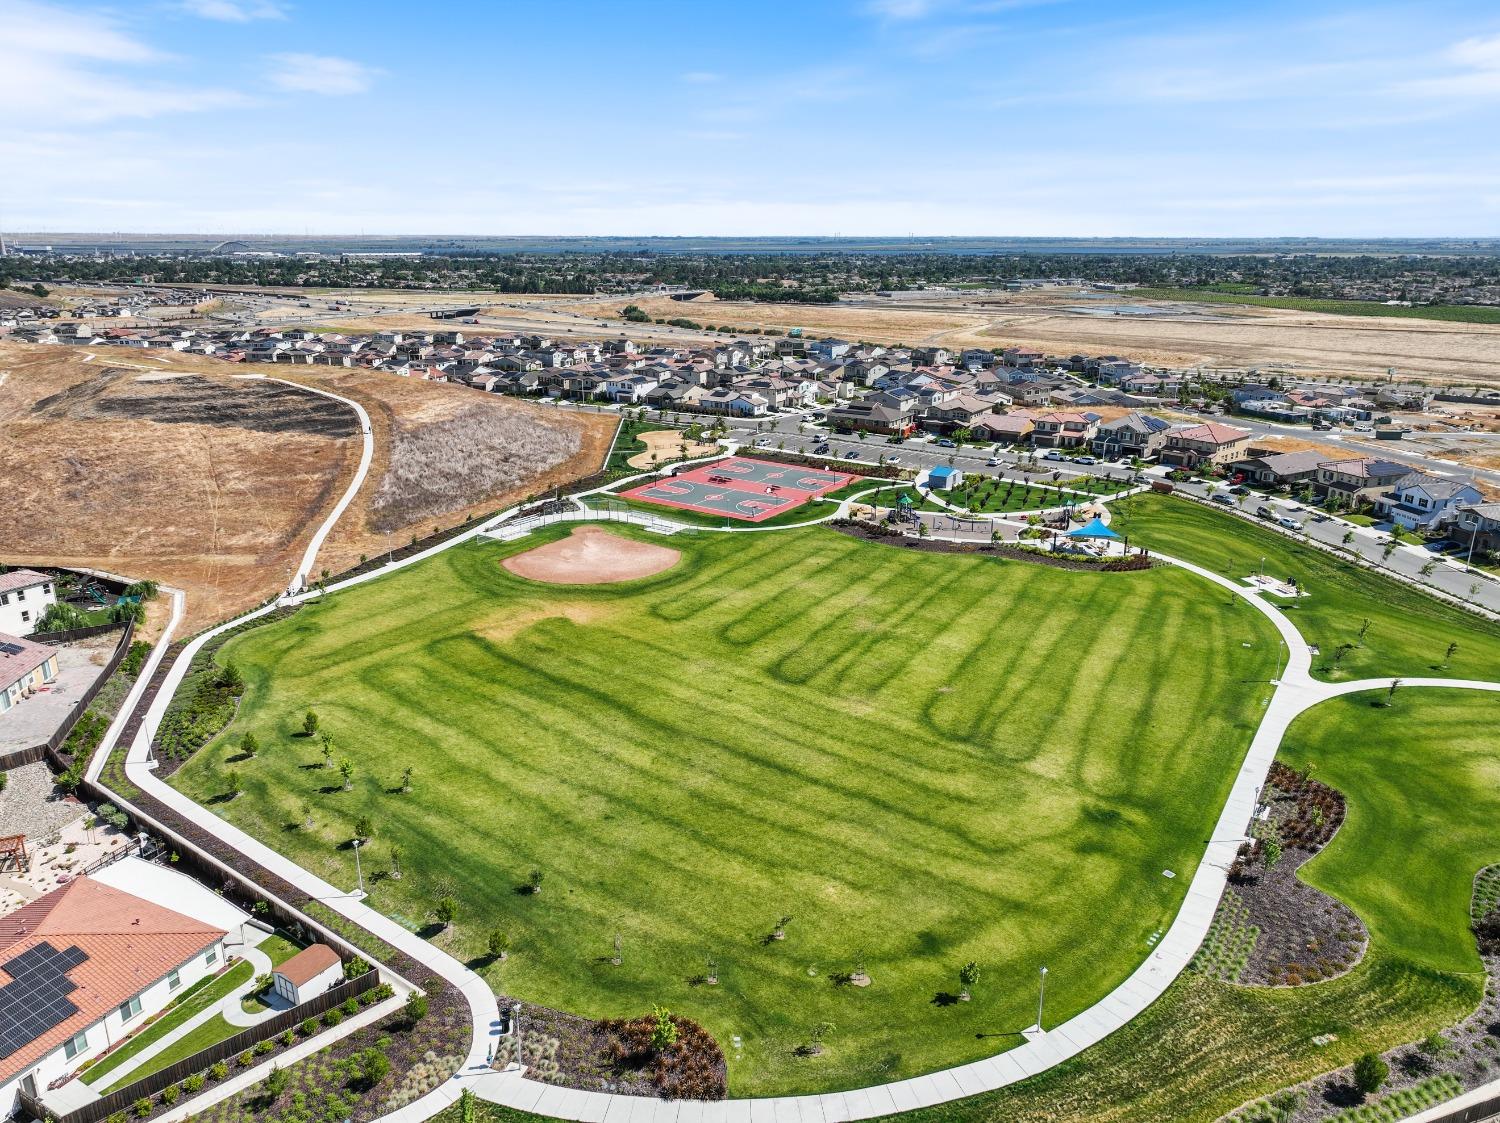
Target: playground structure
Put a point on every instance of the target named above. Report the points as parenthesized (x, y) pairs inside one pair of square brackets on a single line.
[(13, 853)]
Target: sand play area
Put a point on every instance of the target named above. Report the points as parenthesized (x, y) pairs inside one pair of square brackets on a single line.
[(663, 445), (591, 555)]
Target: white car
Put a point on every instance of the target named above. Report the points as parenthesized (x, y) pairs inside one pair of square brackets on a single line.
[(993, 462), (893, 460), (1288, 522), (1052, 454)]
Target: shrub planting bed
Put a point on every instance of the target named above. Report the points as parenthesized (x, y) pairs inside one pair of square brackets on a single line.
[(615, 1054), (1273, 929), (1421, 1074)]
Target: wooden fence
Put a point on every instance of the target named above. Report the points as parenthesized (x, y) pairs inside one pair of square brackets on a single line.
[(77, 633), (225, 1050)]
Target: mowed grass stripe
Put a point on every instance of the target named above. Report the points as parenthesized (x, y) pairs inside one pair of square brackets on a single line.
[(885, 745)]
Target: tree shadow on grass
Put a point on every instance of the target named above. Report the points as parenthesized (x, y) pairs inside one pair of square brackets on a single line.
[(944, 998), (330, 789)]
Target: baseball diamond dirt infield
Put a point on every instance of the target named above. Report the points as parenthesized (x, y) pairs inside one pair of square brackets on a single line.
[(738, 488), (591, 555)]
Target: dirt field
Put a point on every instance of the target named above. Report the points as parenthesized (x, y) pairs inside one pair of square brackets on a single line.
[(666, 444), (591, 555), (1186, 336), (176, 469)]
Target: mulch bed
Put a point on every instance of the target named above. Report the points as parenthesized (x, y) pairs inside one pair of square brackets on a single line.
[(1304, 935), (615, 1055), (1458, 1059)]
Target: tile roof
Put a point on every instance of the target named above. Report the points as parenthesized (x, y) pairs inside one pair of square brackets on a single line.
[(130, 943), (20, 657), (1212, 432), (21, 579)]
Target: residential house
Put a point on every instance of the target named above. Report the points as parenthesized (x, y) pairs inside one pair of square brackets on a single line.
[(25, 668), (1278, 469), (1138, 435), (955, 412), (1002, 428), (25, 596), (1420, 501), (81, 968), (732, 402), (1197, 445), (872, 417), (1476, 526), (1359, 480), (1064, 430)]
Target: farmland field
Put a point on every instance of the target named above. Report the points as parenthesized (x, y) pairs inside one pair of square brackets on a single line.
[(921, 759)]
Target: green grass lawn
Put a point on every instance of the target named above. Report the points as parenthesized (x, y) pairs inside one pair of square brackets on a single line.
[(993, 503), (923, 759), (1408, 632), (194, 1002)]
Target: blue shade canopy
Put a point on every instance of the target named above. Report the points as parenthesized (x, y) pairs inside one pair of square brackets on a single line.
[(1094, 528)]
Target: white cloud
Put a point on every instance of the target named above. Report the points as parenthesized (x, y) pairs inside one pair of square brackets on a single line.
[(1478, 60), (62, 66), (34, 28), (233, 11), (320, 74)]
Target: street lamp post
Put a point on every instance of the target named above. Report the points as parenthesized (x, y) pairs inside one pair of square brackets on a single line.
[(515, 1028), (1041, 999), (358, 871)]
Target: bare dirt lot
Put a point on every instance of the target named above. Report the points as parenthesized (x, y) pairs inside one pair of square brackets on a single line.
[(1183, 336), (177, 470), (591, 555)]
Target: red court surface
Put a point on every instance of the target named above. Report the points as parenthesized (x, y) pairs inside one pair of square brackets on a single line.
[(740, 488)]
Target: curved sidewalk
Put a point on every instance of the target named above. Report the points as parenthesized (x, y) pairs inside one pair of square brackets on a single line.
[(1294, 692)]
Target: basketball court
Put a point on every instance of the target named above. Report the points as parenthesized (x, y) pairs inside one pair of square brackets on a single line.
[(740, 488)]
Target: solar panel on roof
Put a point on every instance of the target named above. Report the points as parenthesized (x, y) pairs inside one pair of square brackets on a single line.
[(35, 1000)]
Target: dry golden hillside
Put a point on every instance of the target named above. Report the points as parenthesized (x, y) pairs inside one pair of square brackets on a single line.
[(181, 469)]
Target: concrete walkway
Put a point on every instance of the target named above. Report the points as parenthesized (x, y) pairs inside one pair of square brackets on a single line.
[(1294, 692)]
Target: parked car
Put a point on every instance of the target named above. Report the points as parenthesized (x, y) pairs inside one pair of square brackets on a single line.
[(992, 462), (893, 460), (1288, 522), (1241, 489), (946, 443), (1264, 512), (821, 449), (1220, 497), (1087, 460), (1052, 454)]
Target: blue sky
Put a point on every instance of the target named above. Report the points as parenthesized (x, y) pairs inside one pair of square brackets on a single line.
[(969, 117)]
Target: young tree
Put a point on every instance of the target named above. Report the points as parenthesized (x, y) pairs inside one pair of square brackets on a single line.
[(395, 863), (249, 745), (406, 779), (497, 945), (1448, 655), (444, 912), (346, 770), (968, 975), (416, 1008), (276, 1082), (664, 1031), (364, 828), (1363, 628), (327, 739), (817, 1035), (1390, 696), (534, 881), (373, 1066), (1370, 1072), (307, 816), (233, 784), (309, 723), (779, 932)]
